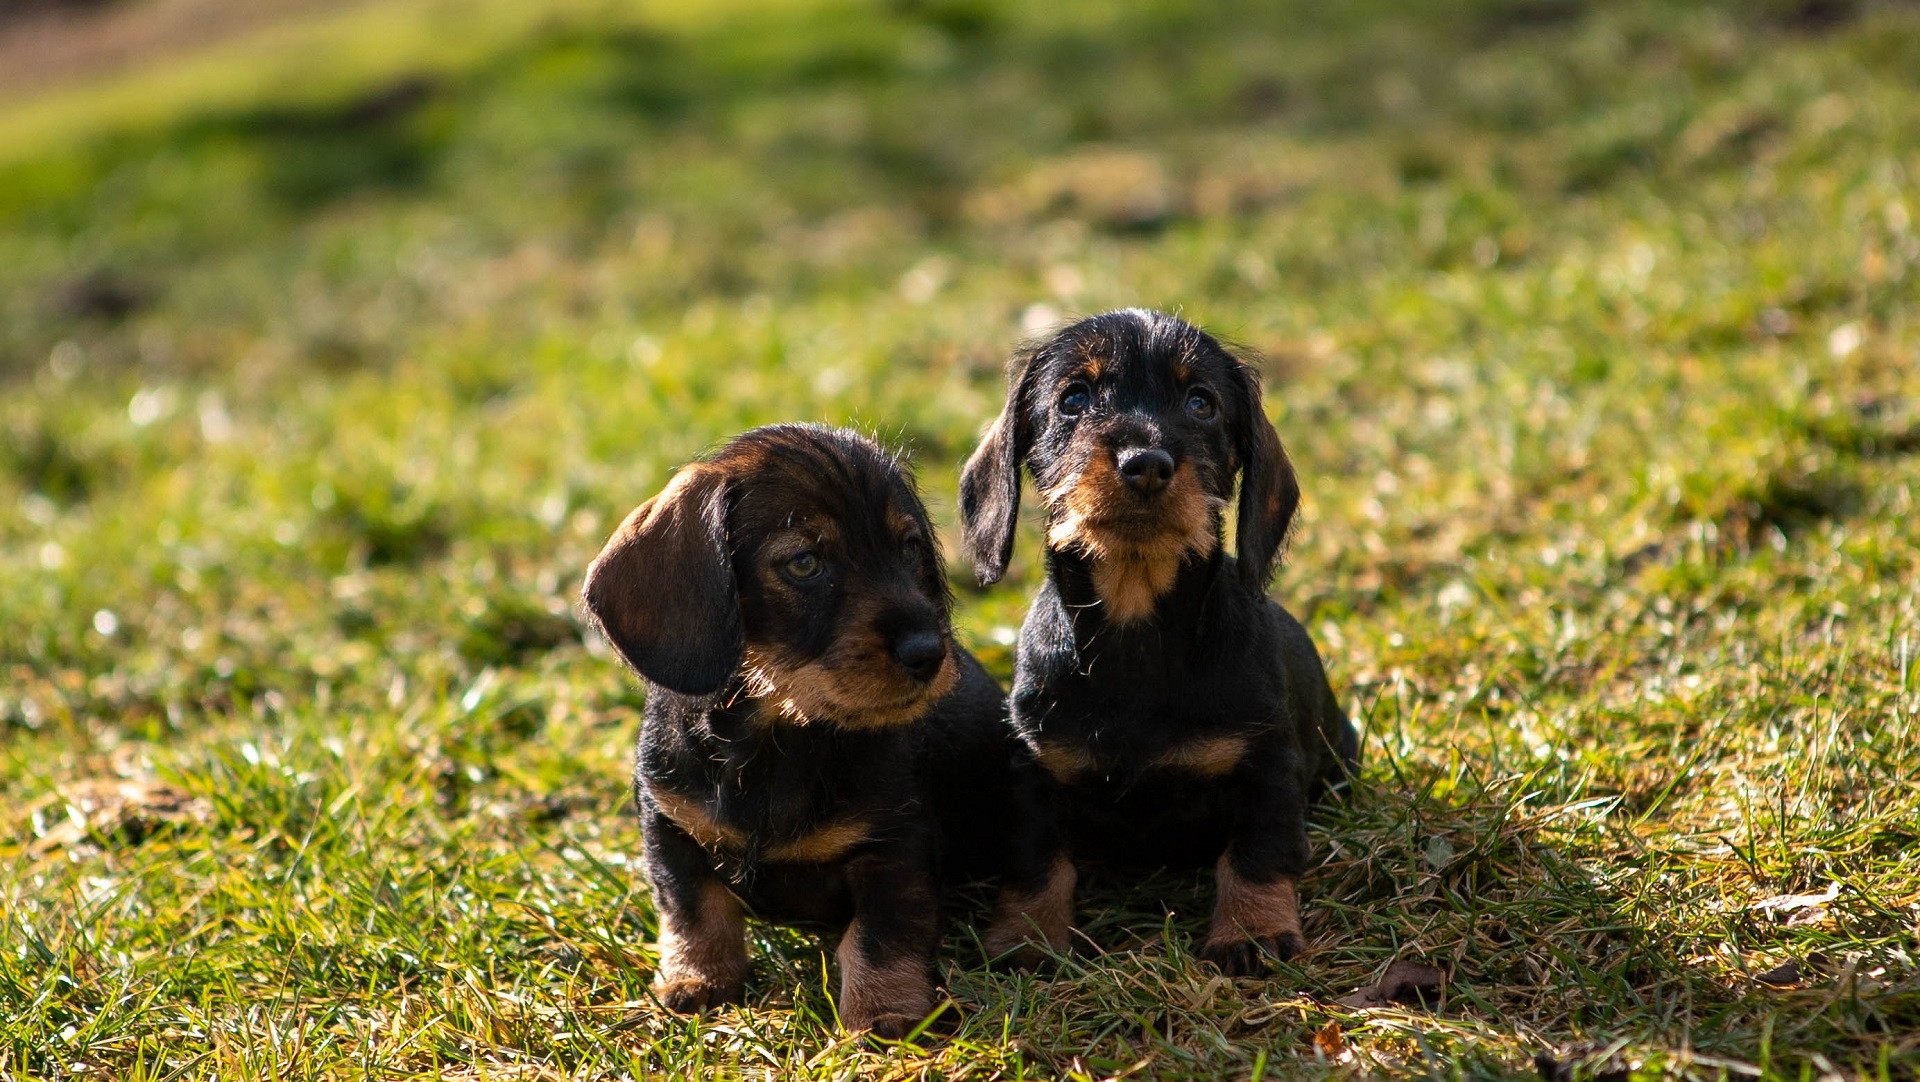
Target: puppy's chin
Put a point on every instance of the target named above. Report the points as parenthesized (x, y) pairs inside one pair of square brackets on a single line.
[(869, 694)]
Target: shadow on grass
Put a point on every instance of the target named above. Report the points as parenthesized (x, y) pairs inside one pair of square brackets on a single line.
[(1549, 935)]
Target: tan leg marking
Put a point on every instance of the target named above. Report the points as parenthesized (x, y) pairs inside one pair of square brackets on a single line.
[(703, 955), (1209, 756), (889, 998), (1250, 919), (694, 817), (1023, 919)]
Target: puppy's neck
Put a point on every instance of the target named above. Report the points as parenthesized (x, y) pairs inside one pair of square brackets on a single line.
[(1128, 578), (1106, 592)]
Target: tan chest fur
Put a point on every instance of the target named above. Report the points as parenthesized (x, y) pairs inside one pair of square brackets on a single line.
[(827, 842)]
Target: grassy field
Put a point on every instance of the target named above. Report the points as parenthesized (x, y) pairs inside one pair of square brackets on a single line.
[(1593, 329)]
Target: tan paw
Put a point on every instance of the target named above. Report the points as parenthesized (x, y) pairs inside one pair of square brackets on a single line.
[(891, 1027), (1014, 943), (1027, 924), (691, 995), (1242, 957)]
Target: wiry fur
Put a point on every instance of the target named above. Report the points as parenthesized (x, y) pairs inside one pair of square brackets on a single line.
[(809, 740), (1182, 717)]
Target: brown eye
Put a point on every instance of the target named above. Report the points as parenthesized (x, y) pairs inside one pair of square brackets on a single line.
[(913, 547), (803, 567), (1200, 405), (1075, 399)]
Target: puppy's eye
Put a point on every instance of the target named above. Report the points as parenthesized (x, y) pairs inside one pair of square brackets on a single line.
[(1075, 399), (1200, 405), (803, 567)]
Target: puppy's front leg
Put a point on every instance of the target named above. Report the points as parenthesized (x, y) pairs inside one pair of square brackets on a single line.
[(1257, 910), (1035, 907), (703, 934), (886, 955)]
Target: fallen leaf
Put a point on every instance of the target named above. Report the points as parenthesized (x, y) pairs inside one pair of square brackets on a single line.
[(1795, 970), (1331, 1043), (1407, 984)]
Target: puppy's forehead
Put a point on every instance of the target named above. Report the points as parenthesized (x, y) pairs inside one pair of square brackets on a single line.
[(829, 483), (1134, 349)]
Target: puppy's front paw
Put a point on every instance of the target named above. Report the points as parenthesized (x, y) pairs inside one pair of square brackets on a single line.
[(1028, 923), (886, 996), (1016, 944), (891, 1027), (692, 995), (1248, 957), (1024, 959)]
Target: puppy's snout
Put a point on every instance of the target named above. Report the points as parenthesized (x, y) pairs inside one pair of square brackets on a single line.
[(1146, 470), (920, 653)]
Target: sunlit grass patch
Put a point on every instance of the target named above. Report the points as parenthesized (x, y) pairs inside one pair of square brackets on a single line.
[(1590, 328)]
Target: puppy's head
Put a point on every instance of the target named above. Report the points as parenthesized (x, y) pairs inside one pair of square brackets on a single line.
[(1134, 425), (800, 559)]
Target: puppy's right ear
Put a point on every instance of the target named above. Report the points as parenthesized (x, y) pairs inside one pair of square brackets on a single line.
[(990, 484), (662, 590)]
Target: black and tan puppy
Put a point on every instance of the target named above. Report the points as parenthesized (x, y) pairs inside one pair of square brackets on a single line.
[(1184, 716), (786, 605)]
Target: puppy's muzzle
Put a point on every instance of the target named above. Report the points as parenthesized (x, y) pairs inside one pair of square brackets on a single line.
[(1146, 470)]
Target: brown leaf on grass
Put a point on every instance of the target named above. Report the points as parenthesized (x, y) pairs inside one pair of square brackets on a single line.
[(1406, 984), (1331, 1043), (125, 808), (1794, 970)]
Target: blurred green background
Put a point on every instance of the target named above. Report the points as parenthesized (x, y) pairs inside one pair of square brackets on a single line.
[(335, 337)]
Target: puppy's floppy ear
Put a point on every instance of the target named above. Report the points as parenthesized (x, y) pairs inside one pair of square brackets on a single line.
[(662, 590), (1269, 491), (990, 484)]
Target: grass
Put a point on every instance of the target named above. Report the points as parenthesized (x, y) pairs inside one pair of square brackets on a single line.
[(1590, 327)]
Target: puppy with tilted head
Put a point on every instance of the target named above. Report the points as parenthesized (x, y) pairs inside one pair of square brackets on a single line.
[(1184, 718), (807, 714)]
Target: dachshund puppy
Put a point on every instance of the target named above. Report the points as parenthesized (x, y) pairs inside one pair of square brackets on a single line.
[(785, 604), (1185, 719)]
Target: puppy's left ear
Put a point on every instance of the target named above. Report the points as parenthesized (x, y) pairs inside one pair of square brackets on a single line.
[(662, 590), (1269, 491)]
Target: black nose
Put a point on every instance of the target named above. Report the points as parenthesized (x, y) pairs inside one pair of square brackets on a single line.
[(1146, 469), (921, 653)]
